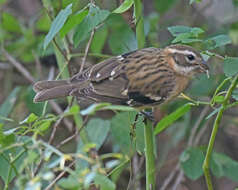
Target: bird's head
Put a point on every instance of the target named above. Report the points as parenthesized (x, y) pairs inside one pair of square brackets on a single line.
[(185, 60)]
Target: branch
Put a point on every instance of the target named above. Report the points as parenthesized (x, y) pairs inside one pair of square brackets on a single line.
[(86, 51), (216, 124), (18, 66), (58, 177)]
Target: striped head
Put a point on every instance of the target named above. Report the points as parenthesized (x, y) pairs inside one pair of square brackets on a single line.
[(186, 61)]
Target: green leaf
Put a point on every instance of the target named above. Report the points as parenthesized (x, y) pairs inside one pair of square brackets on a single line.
[(185, 38), (230, 66), (8, 104), (120, 127), (6, 138), (126, 43), (185, 34), (69, 183), (9, 171), (97, 130), (93, 108), (213, 112), (104, 182), (10, 23), (171, 118), (191, 162), (177, 30), (140, 137), (218, 41), (72, 22), (105, 106), (235, 94), (43, 24), (61, 62), (118, 108), (219, 99), (57, 24), (216, 167), (32, 107), (99, 40), (95, 17), (31, 118), (74, 110), (224, 166), (44, 126), (124, 6)]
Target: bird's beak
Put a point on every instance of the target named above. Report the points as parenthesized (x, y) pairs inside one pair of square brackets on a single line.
[(204, 68)]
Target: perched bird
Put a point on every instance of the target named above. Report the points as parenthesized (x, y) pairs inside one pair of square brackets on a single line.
[(143, 78)]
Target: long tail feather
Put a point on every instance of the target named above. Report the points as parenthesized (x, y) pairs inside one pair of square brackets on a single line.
[(43, 85), (46, 90), (52, 93)]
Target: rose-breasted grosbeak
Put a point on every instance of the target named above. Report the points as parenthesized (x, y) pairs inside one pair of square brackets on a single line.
[(141, 78)]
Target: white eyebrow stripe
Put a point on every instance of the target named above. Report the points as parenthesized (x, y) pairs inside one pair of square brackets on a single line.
[(186, 52)]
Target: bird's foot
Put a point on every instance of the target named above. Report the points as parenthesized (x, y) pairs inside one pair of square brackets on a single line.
[(148, 115)]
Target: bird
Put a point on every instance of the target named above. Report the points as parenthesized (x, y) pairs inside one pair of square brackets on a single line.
[(143, 78)]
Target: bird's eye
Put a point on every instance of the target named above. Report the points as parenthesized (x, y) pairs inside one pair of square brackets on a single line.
[(190, 57)]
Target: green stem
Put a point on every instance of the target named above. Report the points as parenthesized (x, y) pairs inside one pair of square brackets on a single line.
[(149, 156), (219, 88), (214, 132), (148, 129), (140, 34)]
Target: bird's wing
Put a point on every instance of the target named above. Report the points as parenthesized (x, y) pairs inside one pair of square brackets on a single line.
[(107, 81), (111, 80)]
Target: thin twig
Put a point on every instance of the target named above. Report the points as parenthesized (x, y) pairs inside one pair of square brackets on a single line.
[(136, 172), (18, 66), (54, 129), (218, 56), (86, 51), (170, 178), (130, 176), (38, 64), (197, 124), (68, 139), (59, 111), (178, 180), (191, 141), (58, 177), (60, 50)]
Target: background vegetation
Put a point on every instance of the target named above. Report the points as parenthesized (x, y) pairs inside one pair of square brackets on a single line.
[(63, 145)]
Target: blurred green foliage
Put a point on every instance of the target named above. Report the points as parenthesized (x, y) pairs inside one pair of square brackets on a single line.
[(63, 28)]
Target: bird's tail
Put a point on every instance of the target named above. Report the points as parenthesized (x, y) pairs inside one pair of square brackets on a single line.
[(46, 90)]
